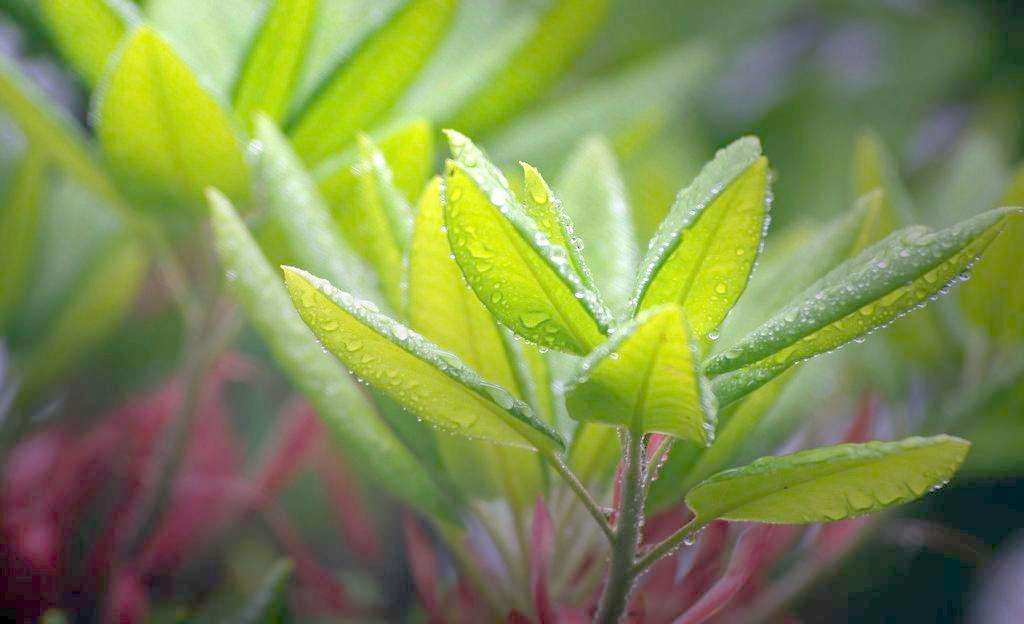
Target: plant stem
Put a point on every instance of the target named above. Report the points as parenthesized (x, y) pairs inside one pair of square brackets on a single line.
[(580, 490), (655, 464), (621, 574), (667, 545)]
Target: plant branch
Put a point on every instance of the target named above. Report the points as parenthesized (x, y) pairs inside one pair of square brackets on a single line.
[(667, 545), (621, 573), (581, 492)]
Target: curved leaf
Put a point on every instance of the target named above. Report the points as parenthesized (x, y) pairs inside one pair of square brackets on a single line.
[(269, 604), (445, 310), (829, 483), (647, 379), (19, 222), (88, 31), (165, 136), (296, 213), (368, 442), (594, 196), (526, 282), (884, 282), (364, 87), (270, 70), (988, 299), (427, 381), (559, 37), (703, 252)]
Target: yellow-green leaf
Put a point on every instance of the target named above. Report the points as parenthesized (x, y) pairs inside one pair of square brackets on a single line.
[(527, 282), (363, 87), (829, 483), (445, 311), (88, 31), (869, 291), (647, 379), (270, 70), (594, 196), (427, 381), (875, 168), (163, 134), (297, 217), (368, 442), (95, 309), (19, 219), (559, 37), (703, 252), (993, 298)]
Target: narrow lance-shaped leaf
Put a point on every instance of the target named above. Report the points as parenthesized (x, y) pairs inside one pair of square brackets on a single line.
[(19, 219), (527, 282), (875, 168), (164, 135), (559, 37), (368, 441), (884, 282), (269, 604), (269, 71), (88, 31), (829, 483), (427, 381), (445, 311), (95, 309), (297, 216), (365, 86), (703, 252), (993, 299), (594, 195), (647, 379)]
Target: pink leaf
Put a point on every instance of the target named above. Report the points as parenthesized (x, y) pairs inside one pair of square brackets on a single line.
[(542, 543)]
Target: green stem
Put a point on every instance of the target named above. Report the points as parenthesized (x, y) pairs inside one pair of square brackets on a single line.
[(621, 574), (580, 490), (667, 545)]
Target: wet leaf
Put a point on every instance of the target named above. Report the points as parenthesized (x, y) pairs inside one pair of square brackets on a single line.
[(427, 381), (829, 483), (297, 215), (269, 72), (594, 195), (703, 252), (368, 442), (527, 282), (647, 379), (558, 38), (444, 309), (990, 299), (864, 293), (163, 134), (366, 85), (88, 31)]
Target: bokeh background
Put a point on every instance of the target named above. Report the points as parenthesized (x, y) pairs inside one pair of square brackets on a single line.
[(668, 82)]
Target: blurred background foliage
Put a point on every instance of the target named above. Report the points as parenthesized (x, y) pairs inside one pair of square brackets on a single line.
[(935, 84)]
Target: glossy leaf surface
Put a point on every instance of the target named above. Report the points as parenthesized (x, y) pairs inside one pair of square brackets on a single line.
[(829, 483), (424, 379)]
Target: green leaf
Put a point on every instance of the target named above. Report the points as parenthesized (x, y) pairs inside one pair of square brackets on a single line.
[(368, 442), (558, 38), (270, 70), (526, 281), (647, 379), (269, 604), (882, 283), (297, 216), (875, 168), (594, 196), (95, 309), (19, 223), (427, 381), (445, 311), (88, 31), (365, 86), (408, 150), (829, 483), (703, 252), (990, 299), (164, 135)]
